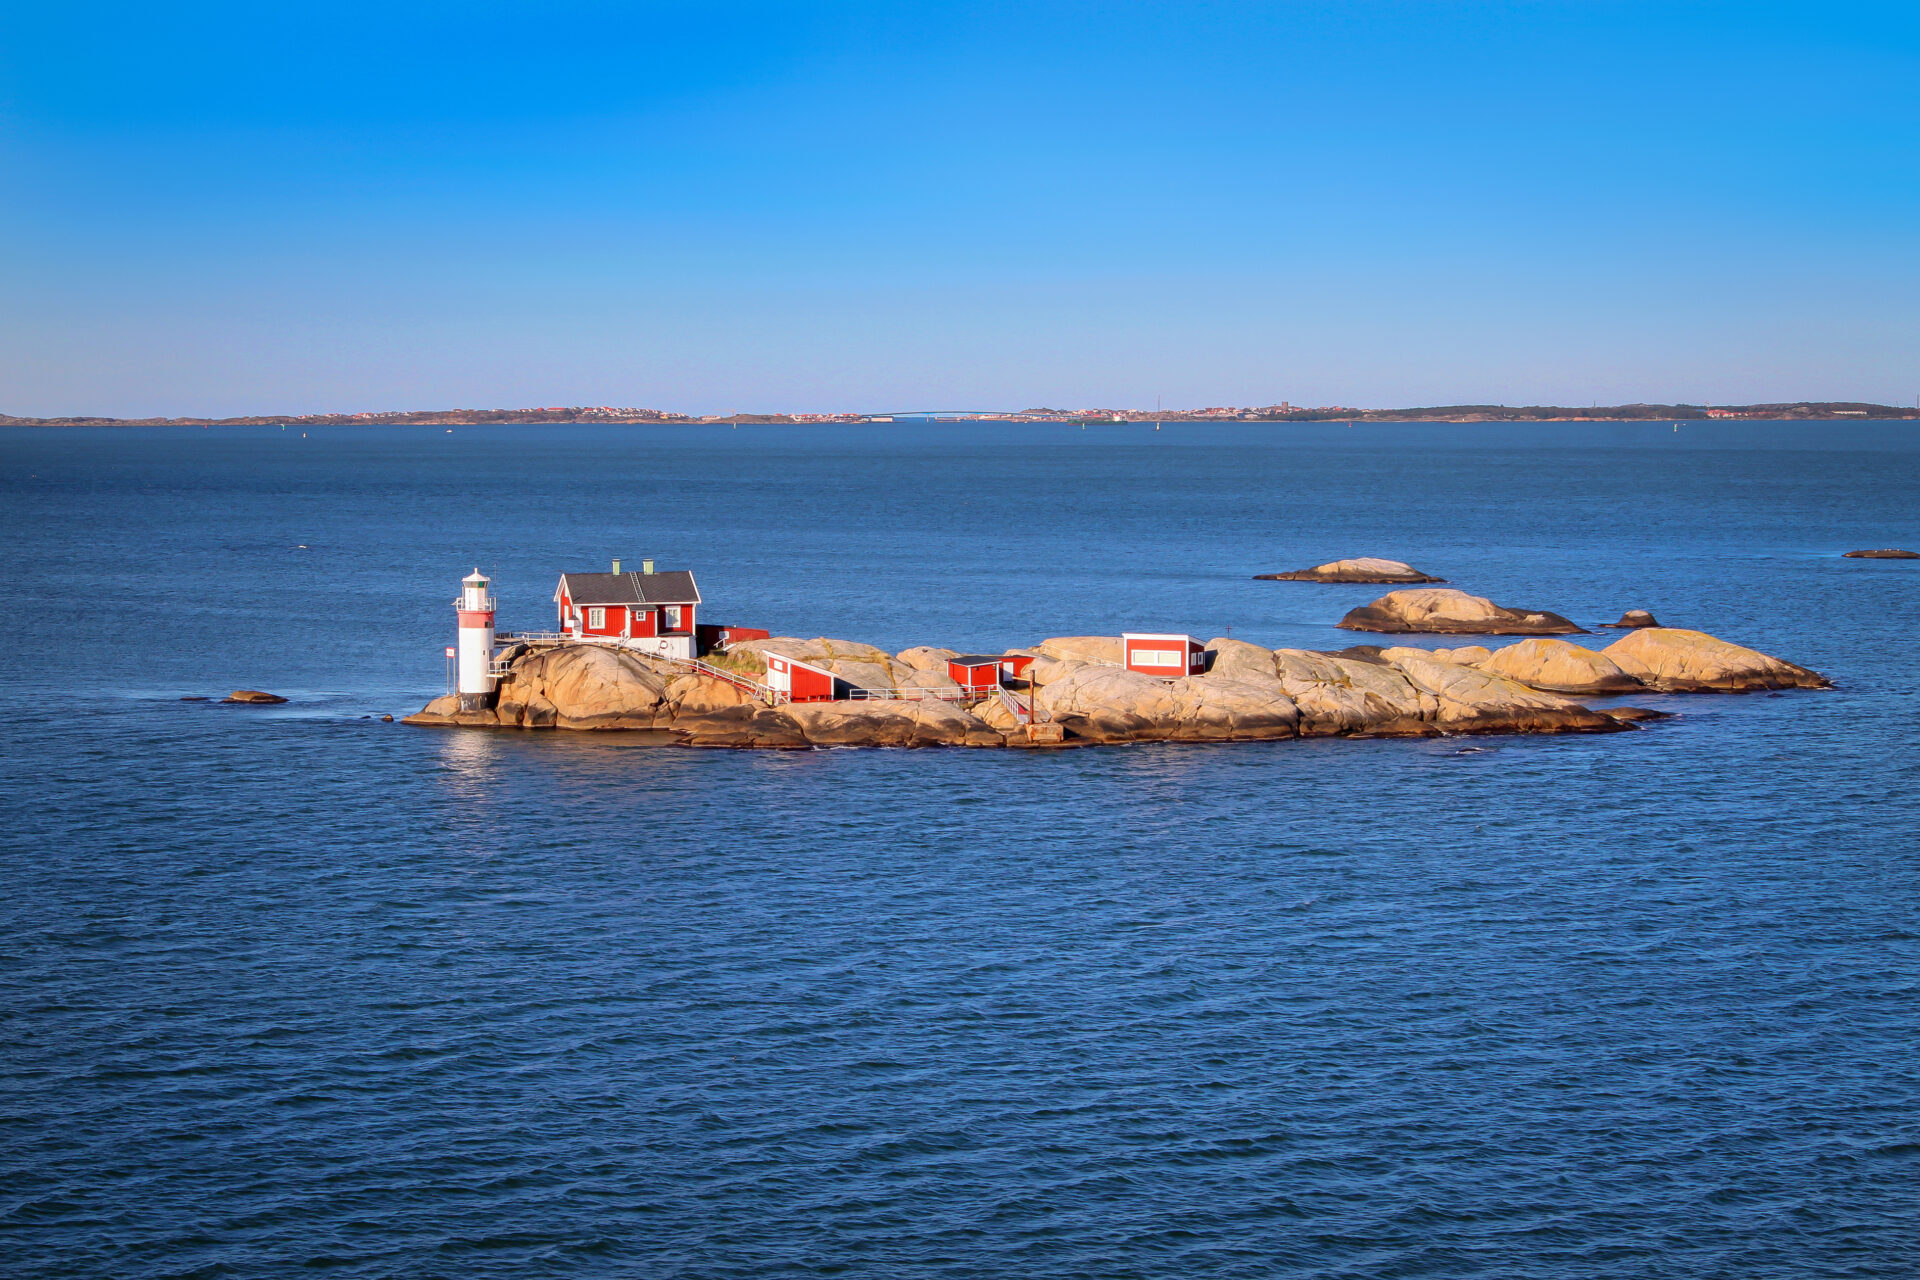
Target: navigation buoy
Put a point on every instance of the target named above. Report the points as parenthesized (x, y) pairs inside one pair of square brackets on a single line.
[(475, 607)]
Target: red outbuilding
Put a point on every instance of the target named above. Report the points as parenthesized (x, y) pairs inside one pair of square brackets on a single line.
[(975, 672), (1014, 665), (646, 610), (1166, 656), (802, 681), (711, 637)]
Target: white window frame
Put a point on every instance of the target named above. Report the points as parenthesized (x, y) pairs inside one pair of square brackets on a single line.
[(597, 618), (669, 617), (1159, 658)]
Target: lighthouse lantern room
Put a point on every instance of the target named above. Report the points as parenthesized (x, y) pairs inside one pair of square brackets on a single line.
[(475, 607)]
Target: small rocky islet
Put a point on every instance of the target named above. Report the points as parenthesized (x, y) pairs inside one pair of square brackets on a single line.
[(1361, 569), (1447, 612), (1084, 696)]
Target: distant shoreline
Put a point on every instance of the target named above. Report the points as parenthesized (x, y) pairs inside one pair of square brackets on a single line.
[(1838, 411)]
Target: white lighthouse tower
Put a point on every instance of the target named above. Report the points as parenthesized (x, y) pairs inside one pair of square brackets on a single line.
[(475, 607)]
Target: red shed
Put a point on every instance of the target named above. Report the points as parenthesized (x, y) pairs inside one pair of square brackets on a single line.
[(1014, 665), (1166, 656), (802, 681), (712, 636), (974, 672)]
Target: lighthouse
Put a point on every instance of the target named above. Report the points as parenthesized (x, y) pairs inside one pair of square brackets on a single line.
[(475, 607)]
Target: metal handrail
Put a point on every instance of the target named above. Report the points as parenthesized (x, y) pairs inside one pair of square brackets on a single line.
[(959, 693), (771, 695)]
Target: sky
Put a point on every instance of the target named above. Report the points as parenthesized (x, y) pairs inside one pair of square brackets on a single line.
[(213, 209)]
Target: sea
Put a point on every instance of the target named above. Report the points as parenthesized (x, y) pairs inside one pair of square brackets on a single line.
[(293, 990)]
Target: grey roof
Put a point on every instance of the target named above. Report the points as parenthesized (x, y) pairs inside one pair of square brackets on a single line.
[(976, 659), (673, 587)]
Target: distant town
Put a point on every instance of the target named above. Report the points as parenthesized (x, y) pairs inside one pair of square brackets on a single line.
[(1282, 412)]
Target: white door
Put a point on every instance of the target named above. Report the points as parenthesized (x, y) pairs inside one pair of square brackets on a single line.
[(779, 677)]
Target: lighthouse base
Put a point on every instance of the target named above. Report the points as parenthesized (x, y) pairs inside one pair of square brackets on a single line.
[(476, 701)]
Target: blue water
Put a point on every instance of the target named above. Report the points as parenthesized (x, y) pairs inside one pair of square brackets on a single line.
[(291, 990)]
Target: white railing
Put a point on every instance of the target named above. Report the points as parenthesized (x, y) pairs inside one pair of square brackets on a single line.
[(956, 694), (767, 694), (1020, 713)]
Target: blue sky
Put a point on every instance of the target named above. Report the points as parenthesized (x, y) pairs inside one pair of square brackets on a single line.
[(221, 209)]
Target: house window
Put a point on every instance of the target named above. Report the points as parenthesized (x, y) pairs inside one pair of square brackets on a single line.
[(596, 619), (1158, 657), (671, 613)]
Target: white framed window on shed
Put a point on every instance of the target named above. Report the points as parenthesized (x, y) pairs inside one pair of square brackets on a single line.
[(671, 615), (1159, 657), (597, 618)]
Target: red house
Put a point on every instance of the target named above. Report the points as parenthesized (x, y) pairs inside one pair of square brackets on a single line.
[(1167, 656), (975, 672), (646, 610), (802, 681)]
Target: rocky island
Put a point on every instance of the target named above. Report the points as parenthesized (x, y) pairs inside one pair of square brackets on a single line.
[(1079, 694), (1362, 569), (1446, 612)]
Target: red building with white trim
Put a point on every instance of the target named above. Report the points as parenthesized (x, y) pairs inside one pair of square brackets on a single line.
[(646, 610), (1168, 657), (802, 681), (975, 672)]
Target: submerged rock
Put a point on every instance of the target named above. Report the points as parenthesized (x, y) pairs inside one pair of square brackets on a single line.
[(255, 696), (1559, 667), (1363, 569), (1883, 553), (1675, 661), (1444, 611), (1632, 619)]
